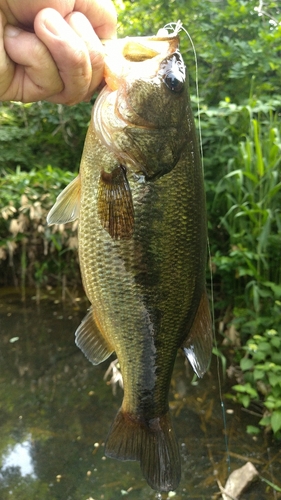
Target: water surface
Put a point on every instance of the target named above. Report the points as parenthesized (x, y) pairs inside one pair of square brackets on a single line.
[(56, 409)]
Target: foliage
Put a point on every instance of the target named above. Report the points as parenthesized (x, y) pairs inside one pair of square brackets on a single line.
[(237, 42), (261, 367), (36, 134), (249, 196), (238, 46), (35, 252)]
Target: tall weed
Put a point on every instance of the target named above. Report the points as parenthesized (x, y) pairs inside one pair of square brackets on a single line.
[(249, 196)]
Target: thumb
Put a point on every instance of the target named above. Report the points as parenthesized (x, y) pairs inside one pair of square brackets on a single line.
[(6, 65)]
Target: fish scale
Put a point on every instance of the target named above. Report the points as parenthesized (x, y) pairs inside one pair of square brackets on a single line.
[(116, 260), (142, 245)]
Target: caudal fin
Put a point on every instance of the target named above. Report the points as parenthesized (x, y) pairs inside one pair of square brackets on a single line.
[(153, 443)]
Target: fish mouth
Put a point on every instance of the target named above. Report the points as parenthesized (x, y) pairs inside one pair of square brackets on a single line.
[(134, 60), (138, 56), (132, 63)]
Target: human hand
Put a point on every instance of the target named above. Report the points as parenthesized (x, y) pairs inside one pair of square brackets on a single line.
[(51, 50)]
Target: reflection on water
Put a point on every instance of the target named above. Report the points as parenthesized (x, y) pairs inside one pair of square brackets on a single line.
[(19, 456), (56, 410)]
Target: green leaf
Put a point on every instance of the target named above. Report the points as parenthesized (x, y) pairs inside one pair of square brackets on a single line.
[(264, 346), (270, 403), (272, 485), (274, 379), (245, 400), (252, 429), (274, 287), (239, 388), (246, 364), (275, 341), (276, 421), (258, 374), (265, 421)]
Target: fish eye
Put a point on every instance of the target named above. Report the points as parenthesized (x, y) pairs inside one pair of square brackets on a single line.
[(173, 83), (172, 71)]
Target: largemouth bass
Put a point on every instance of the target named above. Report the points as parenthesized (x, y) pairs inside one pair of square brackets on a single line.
[(140, 201)]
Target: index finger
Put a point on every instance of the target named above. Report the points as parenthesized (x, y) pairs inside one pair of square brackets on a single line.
[(101, 14)]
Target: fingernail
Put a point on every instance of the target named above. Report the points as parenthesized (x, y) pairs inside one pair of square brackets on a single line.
[(55, 24), (51, 27), (12, 31)]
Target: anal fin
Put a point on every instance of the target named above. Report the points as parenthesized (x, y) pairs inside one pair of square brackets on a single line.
[(66, 208), (199, 342), (90, 340)]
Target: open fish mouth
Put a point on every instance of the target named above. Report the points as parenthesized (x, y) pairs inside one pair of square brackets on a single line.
[(136, 57), (141, 68)]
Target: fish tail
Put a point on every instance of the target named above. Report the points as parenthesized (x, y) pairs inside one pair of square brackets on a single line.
[(152, 443)]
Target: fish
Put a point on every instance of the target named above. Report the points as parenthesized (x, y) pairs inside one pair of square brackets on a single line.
[(140, 201)]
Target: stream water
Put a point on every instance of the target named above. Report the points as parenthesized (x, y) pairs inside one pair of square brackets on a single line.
[(56, 409)]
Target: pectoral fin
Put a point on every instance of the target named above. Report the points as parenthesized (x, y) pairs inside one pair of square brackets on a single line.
[(199, 342), (66, 208), (115, 204), (90, 340)]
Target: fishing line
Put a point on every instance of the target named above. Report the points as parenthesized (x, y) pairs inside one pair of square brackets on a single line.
[(177, 27)]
